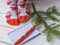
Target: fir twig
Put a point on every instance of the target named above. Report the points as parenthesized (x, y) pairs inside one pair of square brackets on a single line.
[(40, 17), (48, 28)]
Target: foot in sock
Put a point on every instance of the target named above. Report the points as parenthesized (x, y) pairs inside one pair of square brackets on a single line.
[(11, 13), (23, 12)]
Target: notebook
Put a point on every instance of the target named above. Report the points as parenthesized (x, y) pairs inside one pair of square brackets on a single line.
[(31, 36), (24, 32)]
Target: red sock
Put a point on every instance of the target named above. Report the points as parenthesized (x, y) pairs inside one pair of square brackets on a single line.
[(11, 14), (22, 11)]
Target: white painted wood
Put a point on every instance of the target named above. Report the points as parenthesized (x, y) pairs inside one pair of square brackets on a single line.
[(40, 5)]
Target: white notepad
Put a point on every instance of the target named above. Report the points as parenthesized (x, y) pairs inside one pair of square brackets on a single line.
[(31, 36), (19, 33)]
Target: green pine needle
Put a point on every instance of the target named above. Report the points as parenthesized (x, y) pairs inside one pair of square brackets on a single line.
[(49, 36), (45, 30), (32, 14), (57, 13), (56, 33), (52, 9), (51, 17), (56, 26)]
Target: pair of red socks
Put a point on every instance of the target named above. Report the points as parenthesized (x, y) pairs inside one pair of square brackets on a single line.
[(17, 12)]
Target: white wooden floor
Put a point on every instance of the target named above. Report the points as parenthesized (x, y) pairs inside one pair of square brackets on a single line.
[(40, 40)]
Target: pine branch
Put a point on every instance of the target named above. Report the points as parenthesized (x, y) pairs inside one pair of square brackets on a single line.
[(40, 17), (49, 31)]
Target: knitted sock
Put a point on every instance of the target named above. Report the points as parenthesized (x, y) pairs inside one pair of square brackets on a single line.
[(11, 13), (23, 12)]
